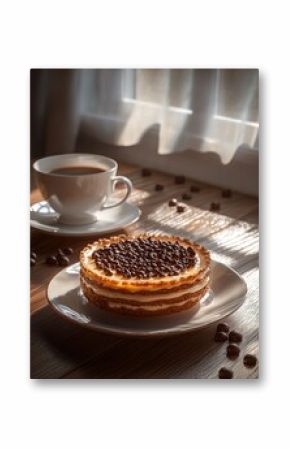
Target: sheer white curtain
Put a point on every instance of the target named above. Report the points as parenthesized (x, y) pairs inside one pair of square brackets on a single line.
[(202, 109)]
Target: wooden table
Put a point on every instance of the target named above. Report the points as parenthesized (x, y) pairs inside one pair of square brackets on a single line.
[(60, 349)]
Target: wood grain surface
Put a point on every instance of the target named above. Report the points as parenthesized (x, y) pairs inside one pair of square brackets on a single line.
[(60, 349)]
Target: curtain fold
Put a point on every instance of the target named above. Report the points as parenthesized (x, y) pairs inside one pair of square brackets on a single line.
[(202, 109)]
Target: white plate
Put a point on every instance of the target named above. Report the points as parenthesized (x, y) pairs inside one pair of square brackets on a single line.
[(109, 220), (227, 293)]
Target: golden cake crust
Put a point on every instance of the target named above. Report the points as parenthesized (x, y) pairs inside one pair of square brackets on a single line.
[(146, 286)]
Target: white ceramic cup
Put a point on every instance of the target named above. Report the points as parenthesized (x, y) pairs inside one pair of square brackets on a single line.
[(78, 198)]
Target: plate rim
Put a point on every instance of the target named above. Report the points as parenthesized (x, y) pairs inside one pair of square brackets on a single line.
[(144, 334), (37, 225)]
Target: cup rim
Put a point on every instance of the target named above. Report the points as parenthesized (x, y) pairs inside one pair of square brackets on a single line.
[(105, 159)]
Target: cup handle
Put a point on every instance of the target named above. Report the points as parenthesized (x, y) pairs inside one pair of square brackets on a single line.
[(129, 186)]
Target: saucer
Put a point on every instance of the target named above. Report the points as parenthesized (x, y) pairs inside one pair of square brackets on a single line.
[(226, 295), (109, 220)]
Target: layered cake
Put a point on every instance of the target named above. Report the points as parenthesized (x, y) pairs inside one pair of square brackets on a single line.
[(144, 274)]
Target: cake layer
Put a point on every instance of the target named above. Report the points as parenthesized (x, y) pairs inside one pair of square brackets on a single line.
[(145, 290), (141, 309), (139, 298)]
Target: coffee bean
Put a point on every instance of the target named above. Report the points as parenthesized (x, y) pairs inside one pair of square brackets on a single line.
[(215, 207), (33, 255), (172, 202), (180, 209), (186, 196), (51, 260), (146, 172), (233, 351), (235, 337), (60, 251), (68, 251), (159, 187), (226, 193), (180, 179), (63, 261), (225, 373), (194, 189), (223, 327), (32, 262), (220, 337), (250, 360)]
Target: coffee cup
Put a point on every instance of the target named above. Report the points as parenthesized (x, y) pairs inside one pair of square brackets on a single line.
[(77, 186)]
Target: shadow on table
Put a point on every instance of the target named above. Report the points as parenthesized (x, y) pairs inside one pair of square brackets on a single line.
[(60, 349)]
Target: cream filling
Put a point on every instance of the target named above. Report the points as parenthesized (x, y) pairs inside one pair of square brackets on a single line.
[(113, 305), (143, 298)]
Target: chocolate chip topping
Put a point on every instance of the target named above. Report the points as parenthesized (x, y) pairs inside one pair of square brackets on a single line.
[(144, 258)]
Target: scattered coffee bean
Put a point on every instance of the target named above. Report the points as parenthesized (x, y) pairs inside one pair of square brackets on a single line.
[(172, 202), (159, 187), (233, 351), (250, 360), (33, 255), (180, 179), (51, 260), (180, 209), (186, 196), (226, 193), (220, 337), (146, 172), (215, 207), (223, 327), (67, 251), (63, 261), (60, 251), (194, 189), (225, 373), (235, 337), (32, 262)]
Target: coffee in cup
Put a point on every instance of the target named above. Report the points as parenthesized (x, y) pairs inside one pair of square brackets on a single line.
[(77, 186)]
